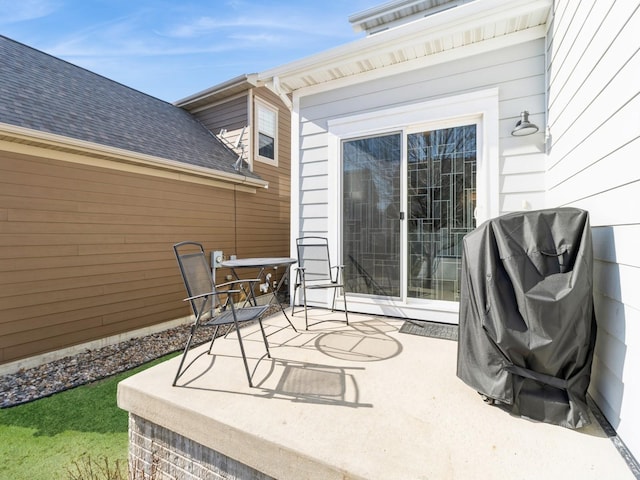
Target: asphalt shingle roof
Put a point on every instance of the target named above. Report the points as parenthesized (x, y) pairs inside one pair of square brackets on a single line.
[(42, 92)]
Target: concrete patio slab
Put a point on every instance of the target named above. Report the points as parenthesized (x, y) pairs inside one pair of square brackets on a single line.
[(357, 402)]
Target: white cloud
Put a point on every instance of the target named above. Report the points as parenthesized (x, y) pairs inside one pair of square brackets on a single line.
[(164, 46), (312, 19), (209, 25), (19, 11)]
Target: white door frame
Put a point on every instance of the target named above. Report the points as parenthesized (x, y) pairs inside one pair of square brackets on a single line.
[(480, 107)]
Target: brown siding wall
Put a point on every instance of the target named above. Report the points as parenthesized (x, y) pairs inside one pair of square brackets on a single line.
[(275, 220), (85, 252), (263, 219)]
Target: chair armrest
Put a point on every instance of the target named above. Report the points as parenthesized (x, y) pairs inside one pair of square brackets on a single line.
[(234, 282), (210, 293), (339, 269)]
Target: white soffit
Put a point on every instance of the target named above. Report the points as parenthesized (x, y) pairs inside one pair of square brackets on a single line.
[(465, 25)]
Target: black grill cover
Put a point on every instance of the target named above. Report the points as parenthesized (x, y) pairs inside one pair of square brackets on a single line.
[(527, 325)]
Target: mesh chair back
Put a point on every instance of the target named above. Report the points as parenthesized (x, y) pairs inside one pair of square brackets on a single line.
[(197, 276), (313, 256)]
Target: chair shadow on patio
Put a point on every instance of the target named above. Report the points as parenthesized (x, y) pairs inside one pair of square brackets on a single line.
[(305, 378), (314, 383), (365, 341), (291, 380), (319, 382)]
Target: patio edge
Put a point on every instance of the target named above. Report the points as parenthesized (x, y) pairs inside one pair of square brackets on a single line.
[(208, 443)]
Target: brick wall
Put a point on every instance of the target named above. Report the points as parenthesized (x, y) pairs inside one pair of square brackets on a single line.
[(156, 453)]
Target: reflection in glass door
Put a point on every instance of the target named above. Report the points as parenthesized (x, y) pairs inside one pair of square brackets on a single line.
[(371, 214), (441, 176), (440, 186)]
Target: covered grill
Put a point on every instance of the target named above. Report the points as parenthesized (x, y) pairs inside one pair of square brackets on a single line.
[(527, 324)]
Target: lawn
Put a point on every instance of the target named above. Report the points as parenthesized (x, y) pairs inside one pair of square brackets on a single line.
[(59, 437)]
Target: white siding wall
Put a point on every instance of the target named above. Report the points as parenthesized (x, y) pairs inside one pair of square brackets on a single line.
[(514, 181), (517, 71), (594, 163)]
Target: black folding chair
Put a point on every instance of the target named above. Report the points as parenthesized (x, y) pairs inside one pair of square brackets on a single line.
[(315, 272), (207, 304)]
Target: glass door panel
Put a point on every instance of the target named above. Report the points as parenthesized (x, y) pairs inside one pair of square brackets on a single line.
[(441, 187), (371, 214)]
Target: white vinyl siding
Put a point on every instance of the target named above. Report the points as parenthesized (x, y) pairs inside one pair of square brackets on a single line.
[(517, 72), (514, 174), (594, 126)]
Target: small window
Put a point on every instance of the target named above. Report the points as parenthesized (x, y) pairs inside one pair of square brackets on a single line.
[(266, 133)]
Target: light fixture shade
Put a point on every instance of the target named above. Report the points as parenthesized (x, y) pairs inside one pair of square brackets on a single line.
[(524, 126)]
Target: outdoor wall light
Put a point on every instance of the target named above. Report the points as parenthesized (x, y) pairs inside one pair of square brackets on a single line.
[(524, 127)]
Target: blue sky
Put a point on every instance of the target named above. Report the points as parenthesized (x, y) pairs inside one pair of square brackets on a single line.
[(173, 48)]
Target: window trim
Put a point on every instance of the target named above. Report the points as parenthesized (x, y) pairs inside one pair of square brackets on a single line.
[(259, 103)]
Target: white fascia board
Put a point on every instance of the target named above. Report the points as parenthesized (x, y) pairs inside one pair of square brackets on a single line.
[(360, 20), (374, 12), (468, 16), (246, 80)]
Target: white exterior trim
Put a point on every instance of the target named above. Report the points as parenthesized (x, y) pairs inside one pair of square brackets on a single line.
[(295, 179), (260, 103), (480, 107), (475, 24), (426, 61), (481, 104)]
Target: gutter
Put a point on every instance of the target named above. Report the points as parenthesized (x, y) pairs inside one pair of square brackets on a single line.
[(246, 80), (359, 20), (57, 143)]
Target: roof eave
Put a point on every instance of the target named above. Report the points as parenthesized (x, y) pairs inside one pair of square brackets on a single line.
[(448, 20), (219, 91), (365, 20), (27, 136)]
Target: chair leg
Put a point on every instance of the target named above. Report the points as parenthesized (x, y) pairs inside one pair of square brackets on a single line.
[(306, 319), (289, 320), (346, 310), (213, 338), (303, 284), (264, 337), (184, 354), (333, 304), (295, 290), (344, 298), (293, 301), (244, 356)]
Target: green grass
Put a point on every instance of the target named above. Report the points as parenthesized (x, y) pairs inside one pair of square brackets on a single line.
[(47, 438)]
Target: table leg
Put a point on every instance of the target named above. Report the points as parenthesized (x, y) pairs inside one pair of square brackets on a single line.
[(275, 294)]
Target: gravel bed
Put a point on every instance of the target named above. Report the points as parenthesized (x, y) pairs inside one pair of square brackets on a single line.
[(72, 371)]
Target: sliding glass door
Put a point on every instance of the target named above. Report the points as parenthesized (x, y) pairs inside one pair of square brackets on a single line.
[(441, 190), (408, 200), (371, 214)]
